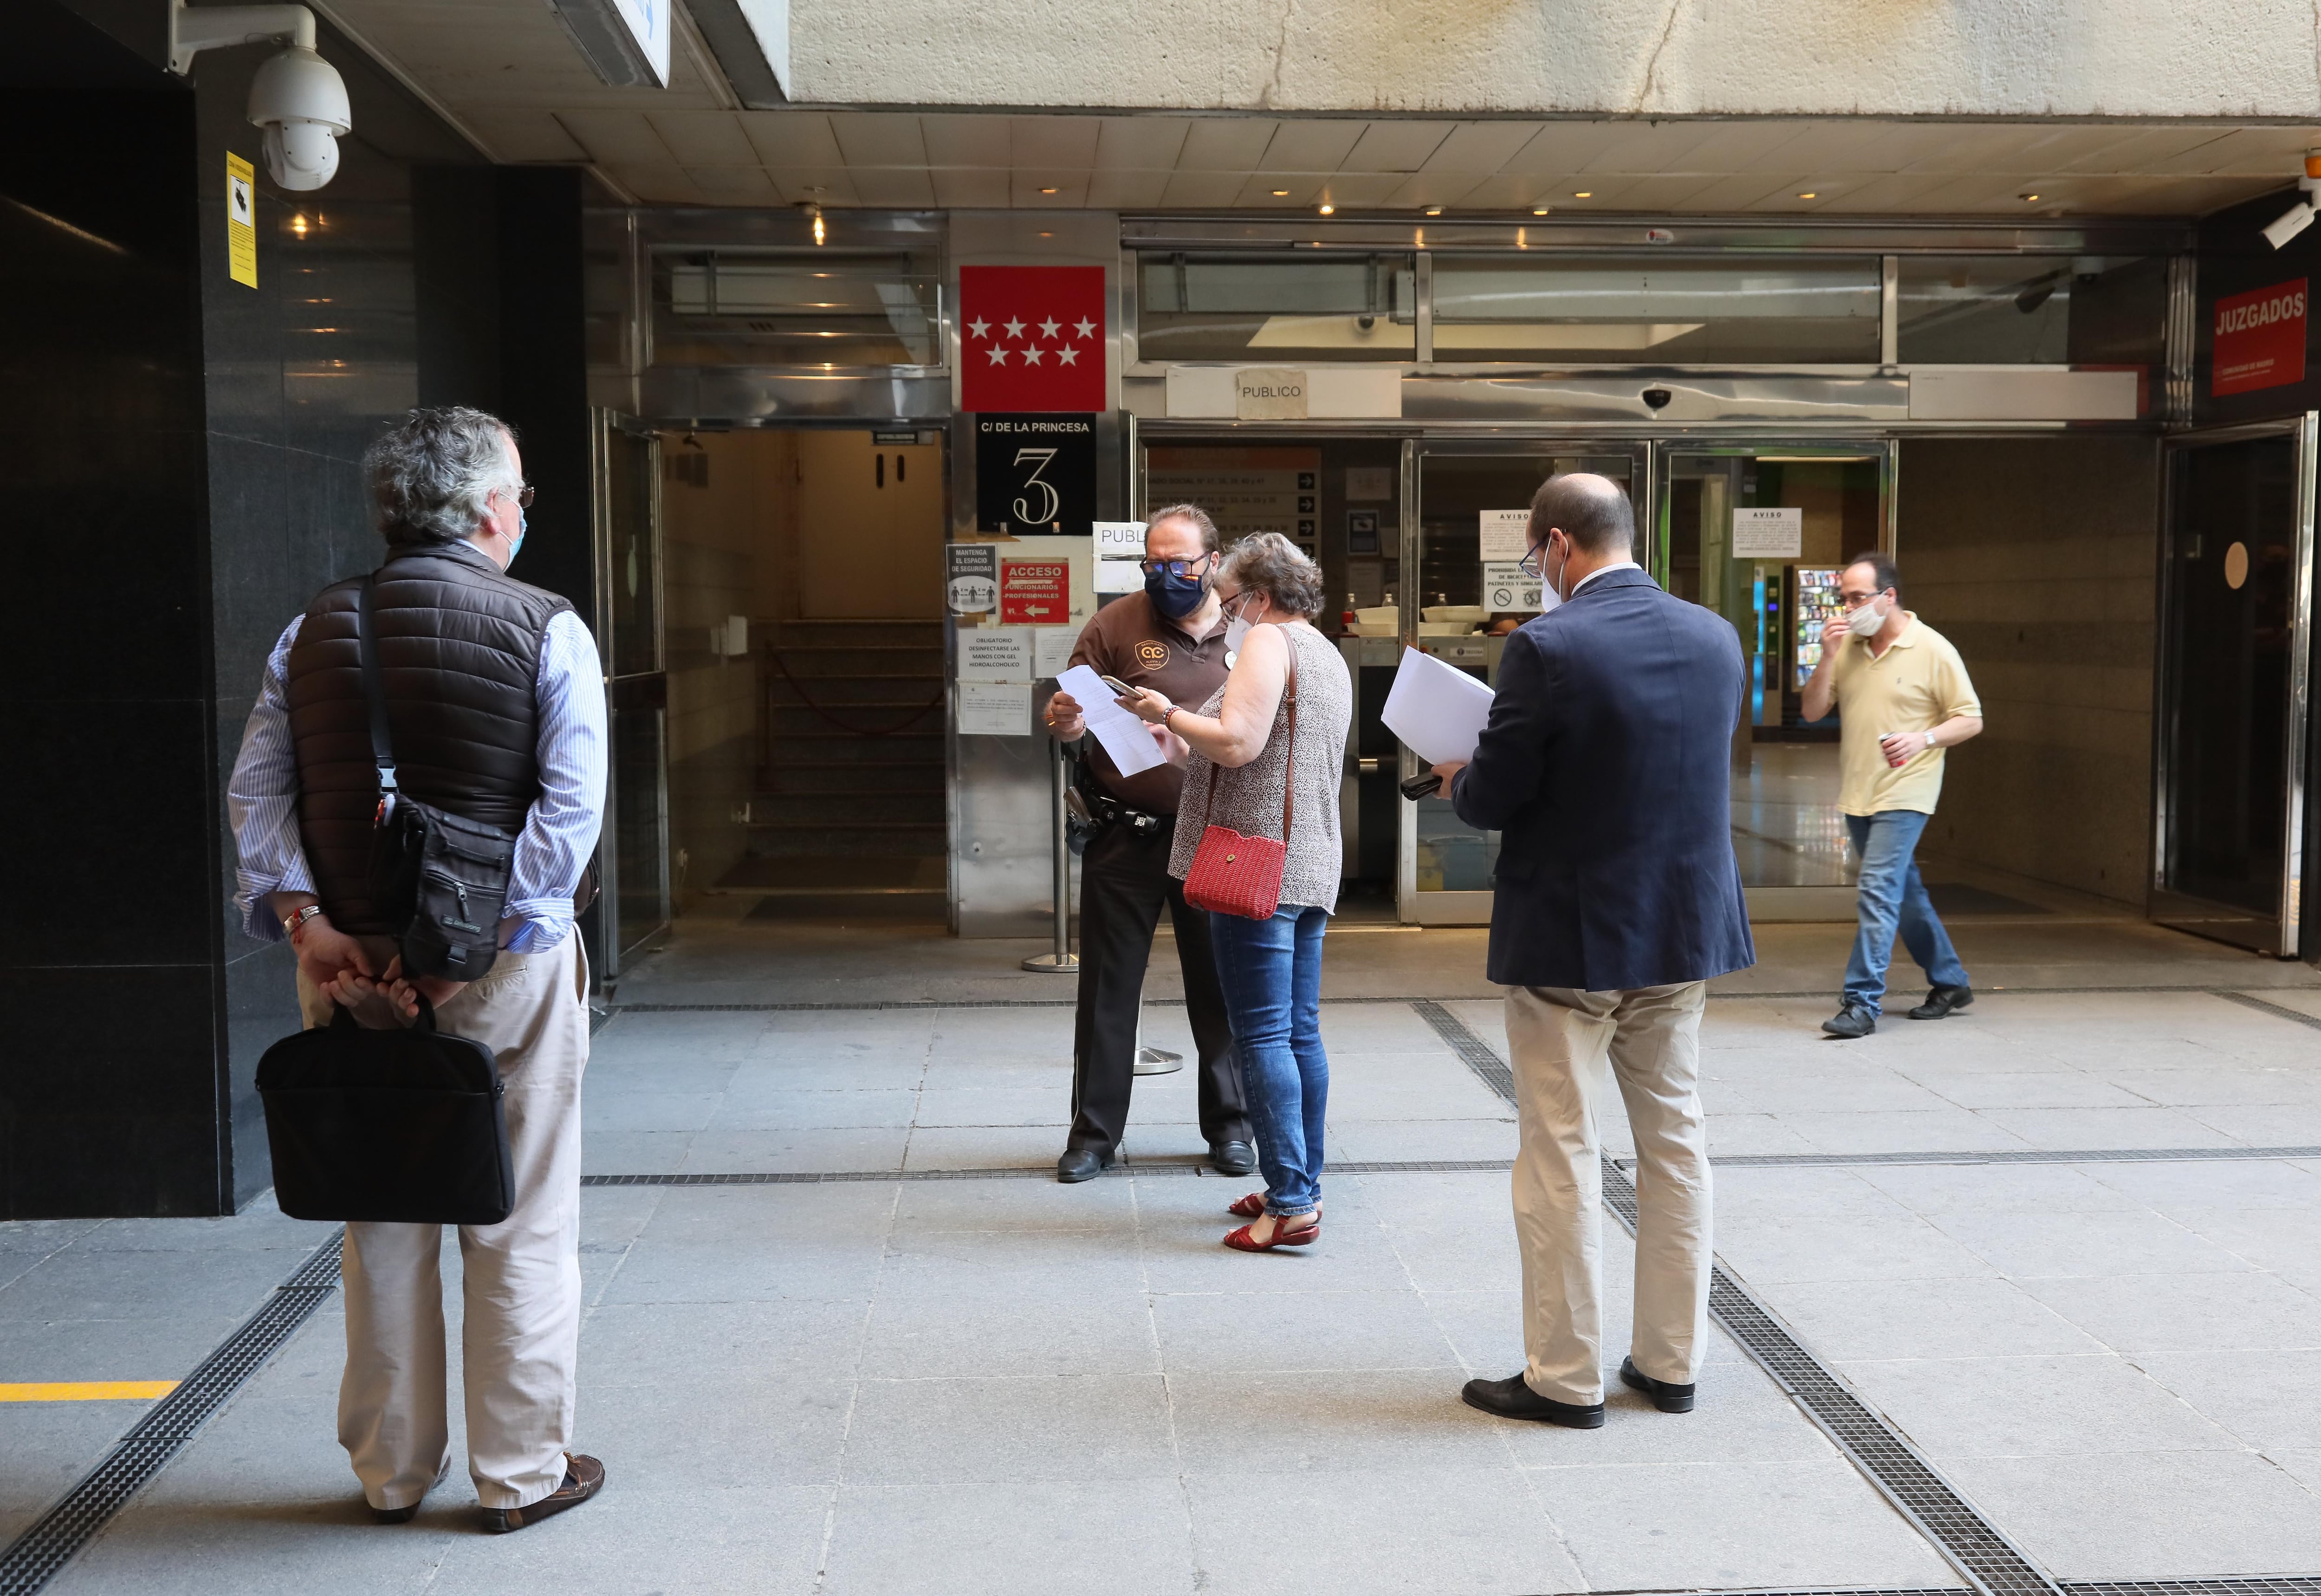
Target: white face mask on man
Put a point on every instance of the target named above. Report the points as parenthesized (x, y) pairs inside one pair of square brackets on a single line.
[(1866, 621)]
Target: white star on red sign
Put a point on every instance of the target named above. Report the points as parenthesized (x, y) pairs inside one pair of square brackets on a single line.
[(1067, 356), (1049, 328), (1031, 355), (1085, 328), (998, 355), (1015, 328), (979, 327)]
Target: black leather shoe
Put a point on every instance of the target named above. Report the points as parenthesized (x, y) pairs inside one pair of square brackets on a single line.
[(1666, 1397), (1081, 1164), (583, 1478), (1852, 1020), (1512, 1399), (405, 1515), (1943, 1000), (1232, 1158)]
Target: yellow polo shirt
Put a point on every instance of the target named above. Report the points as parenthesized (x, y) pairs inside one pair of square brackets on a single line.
[(1918, 684)]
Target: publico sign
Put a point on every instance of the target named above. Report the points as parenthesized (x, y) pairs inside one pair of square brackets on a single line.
[(2260, 340)]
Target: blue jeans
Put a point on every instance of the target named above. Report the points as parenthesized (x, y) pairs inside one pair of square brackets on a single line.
[(1271, 973), (1891, 889)]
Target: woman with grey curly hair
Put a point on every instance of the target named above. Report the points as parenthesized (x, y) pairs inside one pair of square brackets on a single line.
[(1266, 746)]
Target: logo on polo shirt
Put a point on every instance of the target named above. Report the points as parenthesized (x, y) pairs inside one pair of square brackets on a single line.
[(1152, 653)]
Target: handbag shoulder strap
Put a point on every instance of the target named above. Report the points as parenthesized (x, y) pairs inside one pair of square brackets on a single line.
[(382, 748), (1289, 771)]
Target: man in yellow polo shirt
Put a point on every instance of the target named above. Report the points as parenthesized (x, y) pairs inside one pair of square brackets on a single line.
[(1903, 699)]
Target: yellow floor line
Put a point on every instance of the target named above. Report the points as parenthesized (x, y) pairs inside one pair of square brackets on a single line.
[(86, 1390)]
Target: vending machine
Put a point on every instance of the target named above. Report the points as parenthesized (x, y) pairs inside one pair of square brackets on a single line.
[(1817, 601)]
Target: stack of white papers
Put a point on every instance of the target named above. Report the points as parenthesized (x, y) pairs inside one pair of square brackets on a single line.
[(1128, 739), (1438, 710)]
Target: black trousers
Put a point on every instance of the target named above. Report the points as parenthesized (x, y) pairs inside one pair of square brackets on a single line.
[(1123, 882)]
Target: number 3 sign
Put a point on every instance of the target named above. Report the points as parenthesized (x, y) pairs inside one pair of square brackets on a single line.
[(1035, 473)]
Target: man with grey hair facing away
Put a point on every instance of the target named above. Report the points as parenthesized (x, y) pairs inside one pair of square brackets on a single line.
[(496, 708), (1604, 767)]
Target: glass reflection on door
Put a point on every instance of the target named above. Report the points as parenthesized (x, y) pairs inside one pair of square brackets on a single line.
[(2233, 673), (1462, 618), (634, 852), (1774, 578)]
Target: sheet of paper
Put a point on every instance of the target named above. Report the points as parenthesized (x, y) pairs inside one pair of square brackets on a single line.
[(1436, 710), (1052, 649), (994, 708), (1124, 737), (994, 653)]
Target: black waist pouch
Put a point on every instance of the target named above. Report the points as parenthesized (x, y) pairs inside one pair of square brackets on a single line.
[(441, 876), (402, 1126)]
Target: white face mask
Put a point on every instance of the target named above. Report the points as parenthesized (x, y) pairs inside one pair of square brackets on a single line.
[(1864, 622), (1236, 630)]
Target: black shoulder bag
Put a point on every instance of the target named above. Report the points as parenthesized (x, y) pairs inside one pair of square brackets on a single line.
[(441, 876), (398, 1127)]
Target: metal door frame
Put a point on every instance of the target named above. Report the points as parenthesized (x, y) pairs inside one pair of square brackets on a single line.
[(616, 955), (2183, 909), (1473, 908)]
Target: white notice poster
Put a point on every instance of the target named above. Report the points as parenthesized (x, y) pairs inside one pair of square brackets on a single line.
[(1507, 535), (1370, 484), (994, 708), (1768, 534), (1119, 576), (994, 653), (1507, 591), (1120, 540), (1051, 650)]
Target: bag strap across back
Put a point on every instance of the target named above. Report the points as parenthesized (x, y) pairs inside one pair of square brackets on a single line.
[(1290, 769), (382, 747)]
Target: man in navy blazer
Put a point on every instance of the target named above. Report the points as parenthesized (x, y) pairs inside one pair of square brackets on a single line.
[(1605, 769)]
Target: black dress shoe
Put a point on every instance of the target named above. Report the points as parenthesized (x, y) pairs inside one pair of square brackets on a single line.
[(1081, 1164), (405, 1515), (1512, 1399), (1232, 1158), (1667, 1397), (1943, 1000), (583, 1478), (1852, 1020)]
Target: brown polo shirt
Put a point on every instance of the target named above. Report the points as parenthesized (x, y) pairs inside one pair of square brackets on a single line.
[(1129, 640)]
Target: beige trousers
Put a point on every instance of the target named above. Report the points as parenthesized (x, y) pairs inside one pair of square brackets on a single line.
[(1561, 1040), (521, 1277)]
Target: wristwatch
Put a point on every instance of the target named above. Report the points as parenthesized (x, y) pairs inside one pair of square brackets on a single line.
[(297, 918)]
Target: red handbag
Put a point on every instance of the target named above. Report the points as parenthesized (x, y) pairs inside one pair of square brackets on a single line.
[(1232, 874)]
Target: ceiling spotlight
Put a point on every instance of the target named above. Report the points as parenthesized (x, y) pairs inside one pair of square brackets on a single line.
[(1539, 210), (2029, 198), (2297, 218), (820, 234), (1434, 210), (1047, 191), (1328, 209), (1584, 194), (1809, 194), (1281, 194)]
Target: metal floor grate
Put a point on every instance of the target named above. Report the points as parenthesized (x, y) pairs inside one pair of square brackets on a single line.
[(2249, 1000), (1035, 1172), (36, 1556), (1974, 1546)]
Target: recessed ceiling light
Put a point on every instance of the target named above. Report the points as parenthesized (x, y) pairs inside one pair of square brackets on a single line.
[(1047, 191), (1328, 209), (1434, 210), (1281, 194), (1584, 194), (1809, 194), (1047, 235), (1539, 210), (2027, 197)]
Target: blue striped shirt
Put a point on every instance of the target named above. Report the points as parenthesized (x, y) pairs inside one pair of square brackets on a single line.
[(559, 834)]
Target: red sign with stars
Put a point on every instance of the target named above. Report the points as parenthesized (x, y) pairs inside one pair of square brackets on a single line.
[(1030, 337)]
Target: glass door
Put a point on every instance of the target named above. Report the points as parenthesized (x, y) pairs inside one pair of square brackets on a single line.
[(1467, 509), (2237, 617), (1758, 533), (632, 854)]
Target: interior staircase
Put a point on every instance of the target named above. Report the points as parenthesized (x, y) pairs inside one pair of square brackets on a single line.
[(849, 792)]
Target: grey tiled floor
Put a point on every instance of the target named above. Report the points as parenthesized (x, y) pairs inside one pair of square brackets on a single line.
[(885, 1386)]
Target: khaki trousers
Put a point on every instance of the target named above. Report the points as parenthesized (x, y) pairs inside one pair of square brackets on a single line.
[(1561, 1040), (520, 1278)]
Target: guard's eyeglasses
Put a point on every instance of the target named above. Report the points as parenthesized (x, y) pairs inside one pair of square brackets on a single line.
[(1176, 568), (523, 492)]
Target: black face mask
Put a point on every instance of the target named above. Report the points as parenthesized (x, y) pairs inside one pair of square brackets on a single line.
[(1175, 597)]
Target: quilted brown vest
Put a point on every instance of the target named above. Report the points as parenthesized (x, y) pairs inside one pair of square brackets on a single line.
[(459, 648)]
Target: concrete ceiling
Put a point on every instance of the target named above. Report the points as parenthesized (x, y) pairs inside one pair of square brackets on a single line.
[(505, 72)]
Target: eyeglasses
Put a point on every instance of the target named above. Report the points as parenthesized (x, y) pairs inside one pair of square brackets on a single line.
[(1231, 607), (1177, 568), (1856, 600), (523, 491)]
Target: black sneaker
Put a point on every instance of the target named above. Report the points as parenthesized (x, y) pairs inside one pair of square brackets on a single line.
[(1854, 1019), (1943, 1000)]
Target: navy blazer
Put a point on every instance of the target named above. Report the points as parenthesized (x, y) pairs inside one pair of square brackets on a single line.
[(1606, 771)]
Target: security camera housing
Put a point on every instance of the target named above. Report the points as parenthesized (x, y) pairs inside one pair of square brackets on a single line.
[(297, 98), (1658, 398)]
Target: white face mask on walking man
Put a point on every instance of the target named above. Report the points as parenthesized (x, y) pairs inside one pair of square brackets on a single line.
[(1865, 621)]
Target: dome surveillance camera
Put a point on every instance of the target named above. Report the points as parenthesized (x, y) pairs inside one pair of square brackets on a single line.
[(1658, 398), (300, 102)]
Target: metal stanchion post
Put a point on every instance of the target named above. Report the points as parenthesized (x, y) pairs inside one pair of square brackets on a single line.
[(1062, 960)]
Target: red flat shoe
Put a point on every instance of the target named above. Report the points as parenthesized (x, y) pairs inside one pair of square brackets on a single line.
[(1241, 1241), (1253, 1205)]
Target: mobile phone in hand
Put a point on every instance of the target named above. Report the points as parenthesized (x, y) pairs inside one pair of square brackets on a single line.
[(1426, 784), (1118, 686)]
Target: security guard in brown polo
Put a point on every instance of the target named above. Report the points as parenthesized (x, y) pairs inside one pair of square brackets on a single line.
[(1171, 638)]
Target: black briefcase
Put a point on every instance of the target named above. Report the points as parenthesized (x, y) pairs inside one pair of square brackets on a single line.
[(403, 1126)]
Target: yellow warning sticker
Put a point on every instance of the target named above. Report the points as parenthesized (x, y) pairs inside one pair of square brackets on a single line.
[(241, 222)]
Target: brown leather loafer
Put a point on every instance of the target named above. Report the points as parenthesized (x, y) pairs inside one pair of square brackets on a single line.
[(405, 1515), (584, 1477)]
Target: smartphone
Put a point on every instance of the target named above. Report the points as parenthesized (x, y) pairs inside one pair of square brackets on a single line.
[(1426, 784), (1118, 686)]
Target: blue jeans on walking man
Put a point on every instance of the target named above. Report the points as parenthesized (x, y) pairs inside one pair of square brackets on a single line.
[(1887, 843), (1271, 973)]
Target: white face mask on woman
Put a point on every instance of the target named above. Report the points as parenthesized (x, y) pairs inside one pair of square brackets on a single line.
[(1237, 628)]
